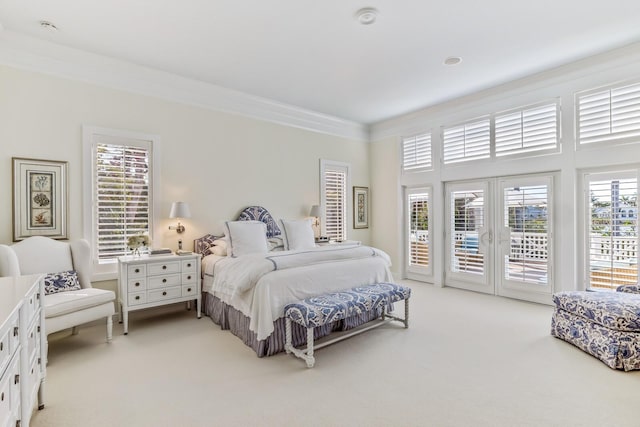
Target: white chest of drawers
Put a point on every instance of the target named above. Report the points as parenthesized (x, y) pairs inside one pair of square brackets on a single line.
[(22, 348), (151, 281)]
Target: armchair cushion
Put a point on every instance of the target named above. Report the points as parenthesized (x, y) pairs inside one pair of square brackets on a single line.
[(61, 282), (67, 302)]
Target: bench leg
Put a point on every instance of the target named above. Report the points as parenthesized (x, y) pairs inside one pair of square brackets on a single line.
[(287, 333), (406, 313), (309, 353)]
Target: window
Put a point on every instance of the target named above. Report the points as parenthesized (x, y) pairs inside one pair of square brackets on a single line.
[(416, 153), (612, 237), (334, 182), (119, 199), (419, 239), (469, 141), (526, 130), (608, 114)]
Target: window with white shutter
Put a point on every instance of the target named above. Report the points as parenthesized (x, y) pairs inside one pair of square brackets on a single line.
[(469, 141), (416, 153), (612, 229), (525, 130), (611, 114), (120, 203), (334, 179), (419, 239)]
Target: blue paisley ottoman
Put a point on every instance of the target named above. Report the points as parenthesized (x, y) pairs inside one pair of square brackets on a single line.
[(603, 324), (328, 308)]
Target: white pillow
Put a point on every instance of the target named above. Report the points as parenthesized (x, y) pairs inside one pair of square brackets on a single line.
[(218, 250), (297, 234), (220, 242), (246, 237)]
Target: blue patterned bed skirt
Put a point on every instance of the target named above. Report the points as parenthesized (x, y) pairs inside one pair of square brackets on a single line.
[(236, 322)]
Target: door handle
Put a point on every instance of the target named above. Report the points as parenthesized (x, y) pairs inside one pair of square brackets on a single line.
[(488, 235)]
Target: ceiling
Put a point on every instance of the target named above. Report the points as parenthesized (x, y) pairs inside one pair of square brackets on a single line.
[(315, 54)]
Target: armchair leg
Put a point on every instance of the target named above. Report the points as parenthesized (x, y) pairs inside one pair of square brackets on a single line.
[(109, 328), (75, 330)]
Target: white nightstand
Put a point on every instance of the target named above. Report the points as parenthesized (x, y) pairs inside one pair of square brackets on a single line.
[(344, 242), (154, 280)]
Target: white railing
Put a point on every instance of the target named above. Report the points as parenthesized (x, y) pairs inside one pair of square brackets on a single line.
[(529, 246), (617, 248)]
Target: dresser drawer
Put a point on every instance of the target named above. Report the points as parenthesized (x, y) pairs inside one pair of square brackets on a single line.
[(31, 304), (139, 270), (135, 285), (5, 349), (5, 399), (189, 290), (189, 265), (137, 298), (188, 278), (33, 341), (154, 269), (163, 281), (10, 394), (164, 294)]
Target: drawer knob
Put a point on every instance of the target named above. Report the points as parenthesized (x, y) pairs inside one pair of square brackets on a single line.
[(137, 283), (16, 379), (189, 277), (188, 289), (164, 293), (137, 270), (137, 296), (189, 265), (164, 267), (1, 346), (164, 280), (2, 396), (38, 328), (15, 331)]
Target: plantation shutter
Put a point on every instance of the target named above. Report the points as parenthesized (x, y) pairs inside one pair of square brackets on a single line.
[(469, 141), (122, 197), (613, 231), (527, 130), (335, 202), (419, 239), (416, 153), (610, 114)]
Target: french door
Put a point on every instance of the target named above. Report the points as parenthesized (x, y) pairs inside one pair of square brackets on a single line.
[(499, 236)]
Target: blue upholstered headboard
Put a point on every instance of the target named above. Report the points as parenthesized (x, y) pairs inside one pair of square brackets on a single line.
[(258, 213)]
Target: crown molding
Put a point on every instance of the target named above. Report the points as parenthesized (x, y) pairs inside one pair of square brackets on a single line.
[(32, 54)]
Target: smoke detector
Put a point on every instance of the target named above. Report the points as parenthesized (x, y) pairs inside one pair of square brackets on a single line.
[(367, 15)]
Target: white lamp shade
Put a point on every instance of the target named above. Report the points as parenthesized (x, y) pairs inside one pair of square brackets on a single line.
[(315, 211), (180, 210)]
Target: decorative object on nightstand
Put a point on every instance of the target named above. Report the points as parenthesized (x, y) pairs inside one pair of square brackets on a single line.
[(316, 213), (137, 242), (179, 210), (151, 281)]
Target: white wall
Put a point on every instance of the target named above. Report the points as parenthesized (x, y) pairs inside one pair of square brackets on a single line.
[(217, 162), (387, 181)]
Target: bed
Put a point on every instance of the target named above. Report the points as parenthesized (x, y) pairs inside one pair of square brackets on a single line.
[(247, 283)]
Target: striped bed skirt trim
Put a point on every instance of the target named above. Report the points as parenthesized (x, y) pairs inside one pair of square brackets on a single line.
[(235, 321)]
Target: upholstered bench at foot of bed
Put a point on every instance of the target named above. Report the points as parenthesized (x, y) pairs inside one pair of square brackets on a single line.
[(324, 309), (603, 324)]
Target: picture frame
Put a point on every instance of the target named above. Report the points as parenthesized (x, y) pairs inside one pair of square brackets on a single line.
[(360, 207), (39, 198)]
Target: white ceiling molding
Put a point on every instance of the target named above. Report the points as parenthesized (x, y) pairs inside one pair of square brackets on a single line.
[(24, 52)]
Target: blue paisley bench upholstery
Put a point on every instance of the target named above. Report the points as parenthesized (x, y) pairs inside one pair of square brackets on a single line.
[(603, 324), (324, 309)]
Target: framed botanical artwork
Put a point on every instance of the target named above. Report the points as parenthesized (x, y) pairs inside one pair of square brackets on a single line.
[(360, 207), (39, 198)]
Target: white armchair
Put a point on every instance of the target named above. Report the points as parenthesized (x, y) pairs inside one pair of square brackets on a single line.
[(63, 310)]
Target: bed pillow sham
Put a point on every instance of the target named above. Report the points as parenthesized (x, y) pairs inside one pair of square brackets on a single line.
[(297, 234), (246, 237)]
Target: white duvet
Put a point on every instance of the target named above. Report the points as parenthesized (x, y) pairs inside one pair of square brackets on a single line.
[(261, 285)]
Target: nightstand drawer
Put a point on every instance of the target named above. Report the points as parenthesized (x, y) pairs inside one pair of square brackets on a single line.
[(139, 270), (163, 268), (136, 285), (188, 290), (188, 278), (137, 298), (163, 281), (163, 294), (188, 265)]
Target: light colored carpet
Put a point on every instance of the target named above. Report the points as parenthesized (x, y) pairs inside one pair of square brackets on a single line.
[(467, 359)]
